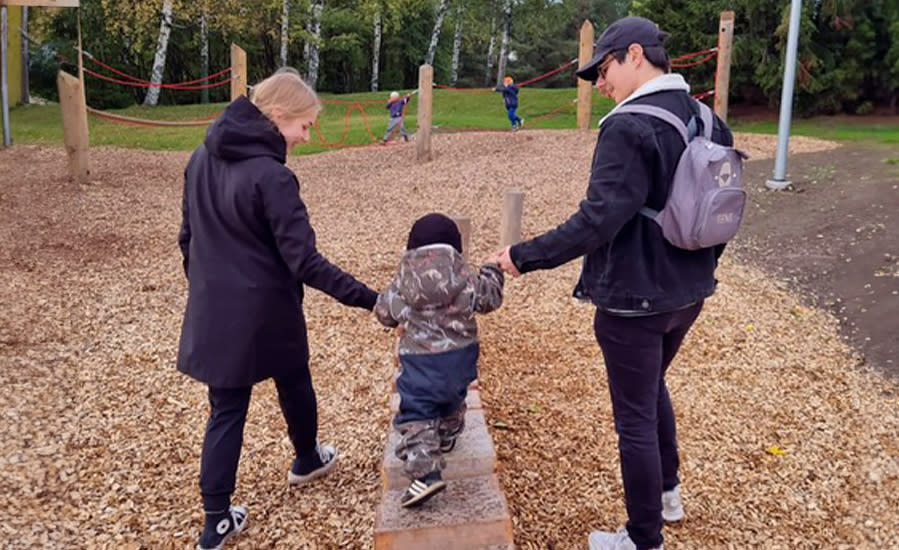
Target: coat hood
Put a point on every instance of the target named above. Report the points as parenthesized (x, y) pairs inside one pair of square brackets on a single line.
[(243, 132), (432, 276)]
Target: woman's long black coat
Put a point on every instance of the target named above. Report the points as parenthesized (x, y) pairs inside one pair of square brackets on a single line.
[(248, 250)]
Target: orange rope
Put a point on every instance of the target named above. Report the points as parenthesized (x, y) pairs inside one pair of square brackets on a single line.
[(556, 111)]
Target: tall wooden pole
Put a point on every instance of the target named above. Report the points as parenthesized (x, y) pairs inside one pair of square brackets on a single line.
[(4, 83), (510, 227), (74, 124), (722, 72), (425, 99), (238, 72), (584, 87)]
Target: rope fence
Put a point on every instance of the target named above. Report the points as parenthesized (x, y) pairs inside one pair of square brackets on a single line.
[(350, 106)]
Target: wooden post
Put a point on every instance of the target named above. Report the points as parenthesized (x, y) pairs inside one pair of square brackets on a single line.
[(510, 228), (4, 83), (74, 125), (464, 225), (238, 72), (584, 87), (722, 71), (425, 99)]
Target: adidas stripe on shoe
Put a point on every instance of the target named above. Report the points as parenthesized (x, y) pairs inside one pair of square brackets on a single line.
[(422, 489)]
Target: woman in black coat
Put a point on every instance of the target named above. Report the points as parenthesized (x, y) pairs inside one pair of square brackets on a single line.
[(248, 249)]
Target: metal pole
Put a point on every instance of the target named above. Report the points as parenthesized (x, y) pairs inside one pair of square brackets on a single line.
[(4, 83), (786, 100)]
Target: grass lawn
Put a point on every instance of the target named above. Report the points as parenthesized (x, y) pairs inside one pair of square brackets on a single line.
[(339, 123), (835, 128), (349, 124)]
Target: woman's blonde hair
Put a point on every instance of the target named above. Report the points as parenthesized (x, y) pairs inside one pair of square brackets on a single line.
[(285, 94)]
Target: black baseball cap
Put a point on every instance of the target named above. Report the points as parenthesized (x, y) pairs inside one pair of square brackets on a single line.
[(618, 36)]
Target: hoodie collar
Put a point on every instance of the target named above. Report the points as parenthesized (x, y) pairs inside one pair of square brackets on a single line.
[(663, 83), (243, 132)]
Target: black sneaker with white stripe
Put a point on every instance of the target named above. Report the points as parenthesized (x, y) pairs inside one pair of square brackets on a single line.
[(305, 469), (422, 489), (447, 444), (221, 526)]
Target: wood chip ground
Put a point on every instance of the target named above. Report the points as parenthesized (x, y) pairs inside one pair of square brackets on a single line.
[(785, 442)]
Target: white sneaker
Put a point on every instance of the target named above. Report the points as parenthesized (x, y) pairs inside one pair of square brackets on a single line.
[(603, 540), (672, 505)]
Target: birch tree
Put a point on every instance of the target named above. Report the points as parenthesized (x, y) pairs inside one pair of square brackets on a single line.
[(490, 51), (435, 34), (457, 43), (504, 44), (162, 46), (376, 51), (204, 48), (311, 49), (285, 26)]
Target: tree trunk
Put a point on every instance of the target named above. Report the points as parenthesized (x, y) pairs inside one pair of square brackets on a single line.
[(376, 53), (315, 29), (162, 46), (457, 45), (435, 34), (26, 92), (204, 49), (504, 45), (285, 25), (490, 52)]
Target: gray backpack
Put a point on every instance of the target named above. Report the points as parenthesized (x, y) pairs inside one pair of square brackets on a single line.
[(706, 200)]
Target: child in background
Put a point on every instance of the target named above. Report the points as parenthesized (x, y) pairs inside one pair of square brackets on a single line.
[(510, 96), (396, 106), (434, 298)]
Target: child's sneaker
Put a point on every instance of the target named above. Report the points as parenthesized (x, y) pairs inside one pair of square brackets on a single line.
[(320, 463), (672, 505), (221, 527), (422, 489), (447, 444), (520, 123)]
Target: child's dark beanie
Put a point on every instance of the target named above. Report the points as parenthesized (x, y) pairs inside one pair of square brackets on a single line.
[(434, 229)]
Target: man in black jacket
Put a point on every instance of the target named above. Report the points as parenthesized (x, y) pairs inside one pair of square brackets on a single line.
[(647, 292)]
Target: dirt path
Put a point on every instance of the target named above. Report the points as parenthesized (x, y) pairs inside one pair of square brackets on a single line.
[(834, 236)]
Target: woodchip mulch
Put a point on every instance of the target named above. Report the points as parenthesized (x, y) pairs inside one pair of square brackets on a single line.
[(786, 442)]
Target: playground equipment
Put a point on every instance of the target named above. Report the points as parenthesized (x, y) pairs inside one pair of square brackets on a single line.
[(236, 76)]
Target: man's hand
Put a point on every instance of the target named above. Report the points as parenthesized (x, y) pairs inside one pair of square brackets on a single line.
[(504, 260)]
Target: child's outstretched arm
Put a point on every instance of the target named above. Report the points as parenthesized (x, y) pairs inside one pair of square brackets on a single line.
[(489, 289), (390, 305)]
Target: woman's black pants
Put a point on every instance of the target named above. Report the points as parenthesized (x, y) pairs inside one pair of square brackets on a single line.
[(224, 432)]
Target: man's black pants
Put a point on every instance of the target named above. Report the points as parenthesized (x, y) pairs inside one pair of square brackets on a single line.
[(224, 432), (637, 352)]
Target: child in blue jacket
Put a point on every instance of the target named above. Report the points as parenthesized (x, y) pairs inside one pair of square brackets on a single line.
[(510, 96)]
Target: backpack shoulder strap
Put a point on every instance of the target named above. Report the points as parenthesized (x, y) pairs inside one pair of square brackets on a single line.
[(660, 113), (708, 119)]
